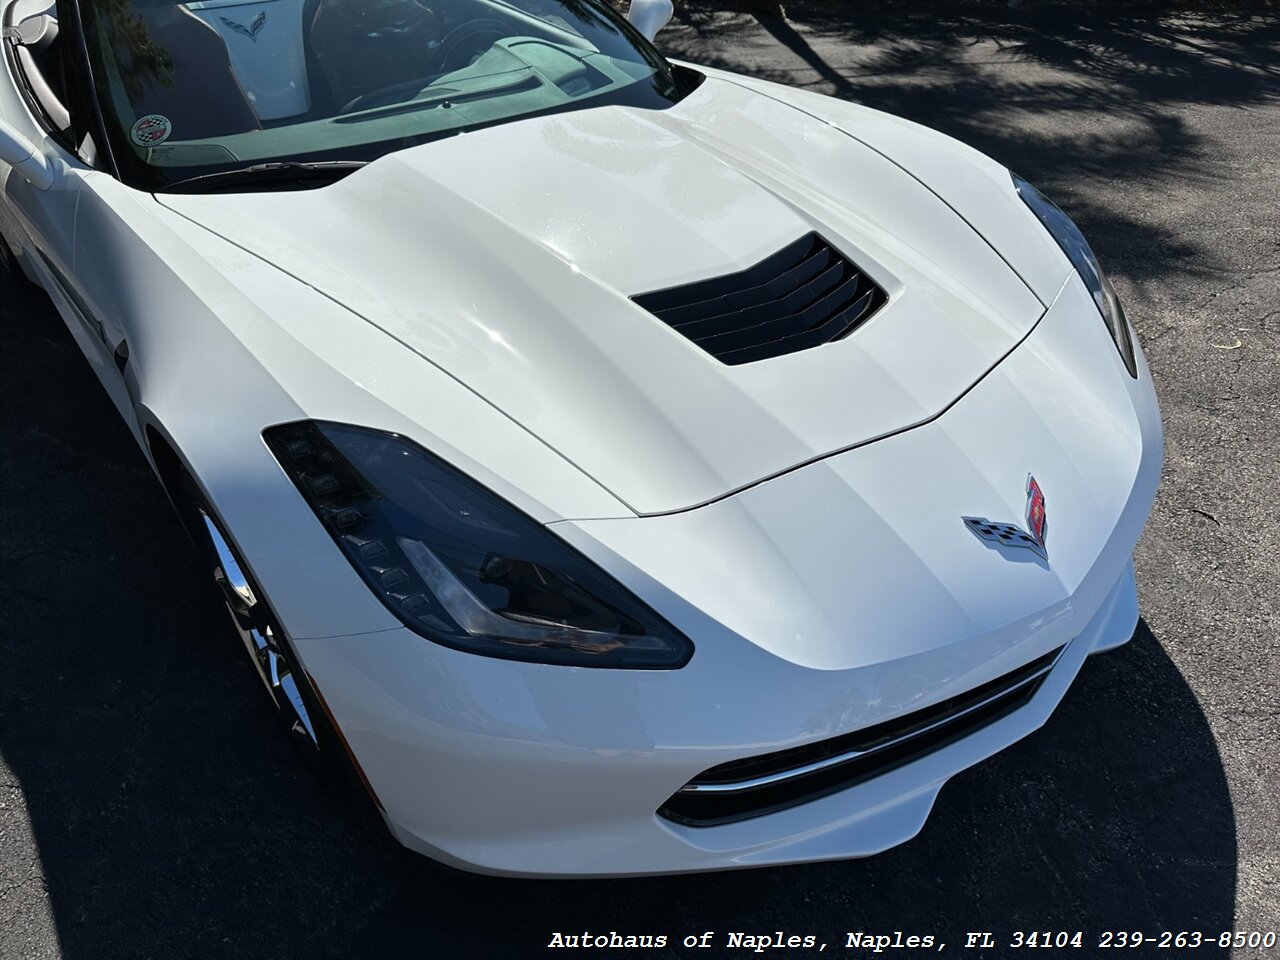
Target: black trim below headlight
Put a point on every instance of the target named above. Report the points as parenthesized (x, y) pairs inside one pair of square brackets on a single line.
[(459, 565)]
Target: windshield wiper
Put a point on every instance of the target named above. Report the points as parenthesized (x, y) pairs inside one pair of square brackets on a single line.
[(265, 174)]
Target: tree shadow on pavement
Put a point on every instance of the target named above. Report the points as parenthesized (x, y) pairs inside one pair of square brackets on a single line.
[(1071, 98)]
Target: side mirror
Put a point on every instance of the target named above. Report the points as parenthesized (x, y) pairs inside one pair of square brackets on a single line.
[(650, 16), (21, 154)]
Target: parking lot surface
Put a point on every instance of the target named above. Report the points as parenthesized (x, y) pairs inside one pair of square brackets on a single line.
[(149, 808)]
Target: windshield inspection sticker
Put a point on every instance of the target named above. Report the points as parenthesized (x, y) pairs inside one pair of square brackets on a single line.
[(151, 130)]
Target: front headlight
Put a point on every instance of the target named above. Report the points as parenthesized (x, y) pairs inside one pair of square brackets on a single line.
[(459, 565), (1082, 257)]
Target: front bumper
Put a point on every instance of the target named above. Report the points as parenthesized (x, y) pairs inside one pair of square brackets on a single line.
[(463, 777), (525, 769)]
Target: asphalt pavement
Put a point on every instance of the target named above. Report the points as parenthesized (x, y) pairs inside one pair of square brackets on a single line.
[(149, 808)]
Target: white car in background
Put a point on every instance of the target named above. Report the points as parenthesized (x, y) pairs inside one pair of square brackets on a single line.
[(621, 466)]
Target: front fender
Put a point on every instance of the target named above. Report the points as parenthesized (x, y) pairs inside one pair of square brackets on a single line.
[(976, 187), (222, 345)]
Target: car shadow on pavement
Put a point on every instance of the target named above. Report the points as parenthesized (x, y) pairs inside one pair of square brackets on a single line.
[(170, 818)]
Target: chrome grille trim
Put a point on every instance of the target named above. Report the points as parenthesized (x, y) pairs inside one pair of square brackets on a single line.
[(755, 786), (834, 761)]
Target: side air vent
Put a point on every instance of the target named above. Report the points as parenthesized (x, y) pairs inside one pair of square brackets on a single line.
[(803, 296)]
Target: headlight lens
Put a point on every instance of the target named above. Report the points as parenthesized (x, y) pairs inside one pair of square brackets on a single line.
[(1082, 257), (461, 566)]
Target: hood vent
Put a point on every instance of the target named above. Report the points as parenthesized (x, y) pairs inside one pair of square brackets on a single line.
[(805, 295)]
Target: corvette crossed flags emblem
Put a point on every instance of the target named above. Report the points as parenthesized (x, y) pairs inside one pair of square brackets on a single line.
[(1010, 534), (250, 31)]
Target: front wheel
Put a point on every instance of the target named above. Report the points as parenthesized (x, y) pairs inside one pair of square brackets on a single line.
[(297, 704), (264, 642)]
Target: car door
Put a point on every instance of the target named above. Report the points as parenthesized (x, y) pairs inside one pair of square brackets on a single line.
[(39, 99)]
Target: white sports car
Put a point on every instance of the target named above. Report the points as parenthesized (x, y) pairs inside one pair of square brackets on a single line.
[(619, 466)]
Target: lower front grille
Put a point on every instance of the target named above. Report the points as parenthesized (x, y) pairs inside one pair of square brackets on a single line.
[(742, 789)]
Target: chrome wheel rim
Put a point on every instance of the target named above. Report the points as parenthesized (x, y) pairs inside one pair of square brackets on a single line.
[(270, 656)]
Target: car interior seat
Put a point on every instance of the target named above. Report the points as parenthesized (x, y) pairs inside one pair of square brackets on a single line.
[(199, 94)]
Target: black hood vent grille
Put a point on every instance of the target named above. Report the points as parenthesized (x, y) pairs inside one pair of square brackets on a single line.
[(805, 295)]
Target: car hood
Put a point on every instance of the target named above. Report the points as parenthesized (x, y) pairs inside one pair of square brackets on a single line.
[(508, 258), (866, 559)]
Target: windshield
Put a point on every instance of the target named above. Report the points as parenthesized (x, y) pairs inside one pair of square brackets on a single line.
[(206, 86)]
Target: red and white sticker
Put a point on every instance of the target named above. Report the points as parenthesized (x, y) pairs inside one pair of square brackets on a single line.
[(151, 130)]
